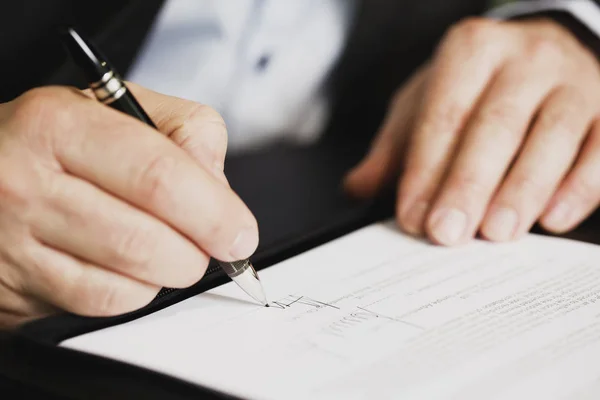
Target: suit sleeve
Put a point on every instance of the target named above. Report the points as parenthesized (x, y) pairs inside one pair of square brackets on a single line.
[(582, 17)]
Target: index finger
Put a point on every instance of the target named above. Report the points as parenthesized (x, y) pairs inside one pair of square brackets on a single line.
[(134, 162), (459, 75)]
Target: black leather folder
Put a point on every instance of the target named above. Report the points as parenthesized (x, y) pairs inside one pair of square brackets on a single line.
[(297, 198)]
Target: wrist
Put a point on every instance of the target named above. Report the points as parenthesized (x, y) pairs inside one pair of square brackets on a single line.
[(581, 31), (580, 17)]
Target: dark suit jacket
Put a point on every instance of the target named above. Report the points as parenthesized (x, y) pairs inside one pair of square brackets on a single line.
[(388, 40)]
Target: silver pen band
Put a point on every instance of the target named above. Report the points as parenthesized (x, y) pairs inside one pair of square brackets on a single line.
[(235, 268), (244, 275), (109, 88)]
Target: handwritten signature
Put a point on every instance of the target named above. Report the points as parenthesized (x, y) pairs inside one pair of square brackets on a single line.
[(294, 300)]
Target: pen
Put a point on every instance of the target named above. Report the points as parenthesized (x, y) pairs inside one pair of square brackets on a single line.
[(109, 89)]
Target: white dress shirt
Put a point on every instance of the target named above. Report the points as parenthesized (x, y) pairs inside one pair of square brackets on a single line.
[(262, 63)]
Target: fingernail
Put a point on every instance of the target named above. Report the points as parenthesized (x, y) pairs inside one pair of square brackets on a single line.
[(244, 244), (413, 218), (448, 225), (502, 224), (559, 215)]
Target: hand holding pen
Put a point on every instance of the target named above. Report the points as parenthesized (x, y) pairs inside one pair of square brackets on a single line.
[(108, 88), (99, 210)]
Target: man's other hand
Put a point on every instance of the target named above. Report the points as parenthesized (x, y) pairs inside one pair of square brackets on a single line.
[(498, 131)]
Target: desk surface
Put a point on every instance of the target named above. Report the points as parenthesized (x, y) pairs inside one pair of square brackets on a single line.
[(296, 197)]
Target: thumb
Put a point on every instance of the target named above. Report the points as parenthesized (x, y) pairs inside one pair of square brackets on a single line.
[(383, 160)]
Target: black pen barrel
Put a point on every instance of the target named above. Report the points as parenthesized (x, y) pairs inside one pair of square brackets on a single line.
[(106, 84)]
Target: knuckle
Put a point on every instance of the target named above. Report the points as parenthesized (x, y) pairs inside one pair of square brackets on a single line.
[(473, 31), (75, 289), (200, 113), (541, 49), (53, 190), (105, 300), (558, 120), (134, 247), (220, 141), (576, 103), (11, 190), (206, 113), (446, 119), (205, 116), (102, 297), (503, 116), (154, 179), (43, 107), (17, 189), (91, 297), (562, 118), (33, 269), (41, 117), (10, 276), (219, 146), (576, 99)]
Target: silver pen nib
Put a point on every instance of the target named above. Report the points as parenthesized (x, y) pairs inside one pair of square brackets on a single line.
[(244, 275)]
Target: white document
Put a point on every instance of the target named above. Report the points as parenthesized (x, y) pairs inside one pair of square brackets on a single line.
[(378, 315)]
